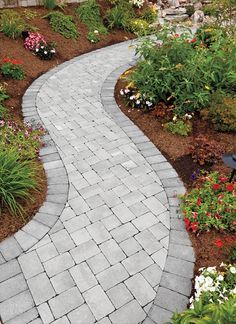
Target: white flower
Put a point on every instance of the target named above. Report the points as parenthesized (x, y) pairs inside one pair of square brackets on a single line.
[(122, 92), (138, 102), (174, 118), (211, 269), (220, 278), (232, 270), (53, 51), (126, 90), (233, 291), (96, 32), (36, 50), (132, 97), (42, 47), (45, 52)]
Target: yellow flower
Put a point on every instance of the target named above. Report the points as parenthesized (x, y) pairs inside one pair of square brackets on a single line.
[(130, 85), (138, 94), (179, 66), (207, 87)]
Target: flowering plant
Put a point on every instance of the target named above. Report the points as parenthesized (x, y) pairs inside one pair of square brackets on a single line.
[(21, 137), (45, 51), (211, 204), (137, 3), (11, 68), (214, 286), (135, 99), (33, 41)]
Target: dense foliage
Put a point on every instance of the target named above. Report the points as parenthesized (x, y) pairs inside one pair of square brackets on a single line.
[(63, 24), (11, 23), (211, 204), (173, 69)]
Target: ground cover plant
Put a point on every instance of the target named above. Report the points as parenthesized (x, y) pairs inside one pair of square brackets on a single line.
[(11, 68), (63, 24), (11, 23), (89, 13)]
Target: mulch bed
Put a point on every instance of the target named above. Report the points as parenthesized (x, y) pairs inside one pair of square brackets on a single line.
[(34, 67), (176, 150)]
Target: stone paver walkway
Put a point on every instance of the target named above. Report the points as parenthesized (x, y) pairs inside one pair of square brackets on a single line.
[(118, 252)]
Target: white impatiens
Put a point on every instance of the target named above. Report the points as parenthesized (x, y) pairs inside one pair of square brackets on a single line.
[(214, 286), (137, 3)]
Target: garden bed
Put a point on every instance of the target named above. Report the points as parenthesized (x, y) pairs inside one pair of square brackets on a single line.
[(66, 49)]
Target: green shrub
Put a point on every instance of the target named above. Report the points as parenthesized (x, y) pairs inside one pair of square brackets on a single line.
[(21, 138), (3, 93), (149, 14), (11, 23), (178, 127), (211, 10), (89, 13), (186, 73), (211, 204), (63, 24), (17, 180), (224, 313), (190, 10), (222, 114), (120, 15), (139, 27), (50, 4), (11, 68)]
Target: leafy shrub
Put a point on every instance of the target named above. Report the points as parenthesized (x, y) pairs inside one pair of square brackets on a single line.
[(21, 138), (11, 23), (210, 313), (169, 67), (120, 15), (214, 286), (178, 127), (63, 24), (205, 151), (45, 51), (211, 10), (17, 179), (139, 27), (222, 114), (232, 256), (3, 93), (149, 13), (50, 4), (89, 13), (211, 204), (190, 10), (11, 68)]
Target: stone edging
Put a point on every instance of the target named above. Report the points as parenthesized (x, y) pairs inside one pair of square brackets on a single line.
[(175, 286), (57, 181)]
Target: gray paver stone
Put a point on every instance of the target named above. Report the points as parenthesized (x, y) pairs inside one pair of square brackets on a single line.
[(83, 277), (170, 300), (112, 251), (12, 287), (9, 269), (137, 262), (58, 264), (98, 302), (41, 288), (112, 276), (65, 302), (81, 315), (130, 313), (62, 281), (10, 248), (45, 313), (179, 267), (159, 315), (30, 264)]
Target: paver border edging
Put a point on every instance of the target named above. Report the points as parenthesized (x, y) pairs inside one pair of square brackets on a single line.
[(175, 285), (57, 183)]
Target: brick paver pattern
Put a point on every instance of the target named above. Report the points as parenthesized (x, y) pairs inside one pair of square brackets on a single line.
[(103, 260)]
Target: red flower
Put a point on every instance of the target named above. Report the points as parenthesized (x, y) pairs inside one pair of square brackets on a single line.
[(216, 186), (219, 243), (199, 201), (194, 226), (230, 187), (187, 223), (193, 40), (223, 179)]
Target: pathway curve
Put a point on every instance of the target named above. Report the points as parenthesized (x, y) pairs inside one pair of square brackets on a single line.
[(118, 253)]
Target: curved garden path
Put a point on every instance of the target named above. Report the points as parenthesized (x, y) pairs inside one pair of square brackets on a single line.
[(113, 249)]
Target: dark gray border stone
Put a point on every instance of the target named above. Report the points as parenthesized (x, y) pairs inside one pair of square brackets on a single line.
[(58, 184), (171, 295)]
